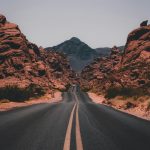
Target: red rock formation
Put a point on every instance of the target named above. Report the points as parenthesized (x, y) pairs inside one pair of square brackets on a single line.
[(128, 74), (22, 63), (97, 75), (135, 69)]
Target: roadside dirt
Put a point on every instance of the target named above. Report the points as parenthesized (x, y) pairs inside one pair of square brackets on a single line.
[(139, 107), (7, 105)]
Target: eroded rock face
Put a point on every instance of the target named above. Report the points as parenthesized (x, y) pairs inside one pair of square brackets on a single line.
[(23, 63), (135, 68), (131, 71), (97, 75)]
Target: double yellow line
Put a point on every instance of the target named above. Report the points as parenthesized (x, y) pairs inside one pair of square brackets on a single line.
[(79, 145)]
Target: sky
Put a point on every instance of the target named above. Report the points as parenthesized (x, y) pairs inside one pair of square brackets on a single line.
[(99, 23)]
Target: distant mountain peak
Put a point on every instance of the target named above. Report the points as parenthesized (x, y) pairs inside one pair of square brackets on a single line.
[(75, 39), (78, 52)]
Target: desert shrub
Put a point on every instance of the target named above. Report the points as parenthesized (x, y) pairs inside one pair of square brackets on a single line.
[(85, 89), (14, 93), (17, 94), (111, 93), (35, 90), (125, 92)]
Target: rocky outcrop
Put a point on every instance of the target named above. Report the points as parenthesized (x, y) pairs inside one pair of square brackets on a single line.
[(127, 74), (24, 64), (135, 66), (106, 51), (144, 23), (96, 76)]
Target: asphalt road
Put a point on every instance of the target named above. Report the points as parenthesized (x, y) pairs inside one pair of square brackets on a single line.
[(75, 123)]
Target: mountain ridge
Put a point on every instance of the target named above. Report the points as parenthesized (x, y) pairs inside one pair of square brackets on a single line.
[(79, 53)]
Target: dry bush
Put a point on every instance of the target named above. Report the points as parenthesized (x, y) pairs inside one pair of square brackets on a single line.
[(125, 92), (17, 94)]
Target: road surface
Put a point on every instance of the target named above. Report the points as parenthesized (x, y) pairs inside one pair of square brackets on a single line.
[(75, 123)]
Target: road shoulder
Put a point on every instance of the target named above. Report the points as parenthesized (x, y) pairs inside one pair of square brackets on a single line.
[(139, 110), (47, 98)]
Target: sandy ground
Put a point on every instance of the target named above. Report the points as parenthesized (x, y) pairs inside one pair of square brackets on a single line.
[(140, 109), (6, 105)]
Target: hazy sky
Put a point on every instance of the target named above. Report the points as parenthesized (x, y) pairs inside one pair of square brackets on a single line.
[(99, 23)]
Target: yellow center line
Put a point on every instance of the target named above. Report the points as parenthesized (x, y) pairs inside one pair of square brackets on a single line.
[(68, 132), (78, 133), (79, 145)]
